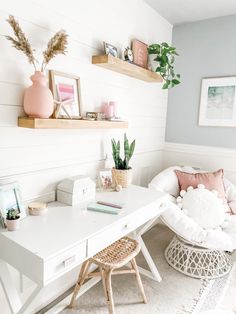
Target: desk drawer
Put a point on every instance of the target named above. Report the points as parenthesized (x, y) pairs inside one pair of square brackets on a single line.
[(65, 261), (115, 232)]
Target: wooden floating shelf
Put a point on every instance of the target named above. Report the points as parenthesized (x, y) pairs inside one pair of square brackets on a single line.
[(117, 65), (36, 123)]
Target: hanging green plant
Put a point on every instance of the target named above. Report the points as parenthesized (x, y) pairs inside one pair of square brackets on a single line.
[(165, 58)]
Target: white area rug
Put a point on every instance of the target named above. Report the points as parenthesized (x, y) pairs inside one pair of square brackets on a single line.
[(221, 297), (176, 294)]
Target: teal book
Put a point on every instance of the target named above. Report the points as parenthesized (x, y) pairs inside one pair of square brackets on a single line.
[(103, 209)]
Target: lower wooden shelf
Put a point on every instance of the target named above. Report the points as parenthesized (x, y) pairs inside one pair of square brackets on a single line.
[(36, 123)]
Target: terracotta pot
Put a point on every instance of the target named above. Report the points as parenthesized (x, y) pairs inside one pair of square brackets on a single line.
[(122, 177), (38, 99), (13, 225)]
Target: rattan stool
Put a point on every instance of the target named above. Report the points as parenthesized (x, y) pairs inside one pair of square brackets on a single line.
[(108, 260)]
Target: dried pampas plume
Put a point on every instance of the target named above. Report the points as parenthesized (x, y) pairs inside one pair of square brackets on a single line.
[(56, 45), (21, 42)]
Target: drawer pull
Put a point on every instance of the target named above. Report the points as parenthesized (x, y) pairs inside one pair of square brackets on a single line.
[(69, 261), (126, 226)]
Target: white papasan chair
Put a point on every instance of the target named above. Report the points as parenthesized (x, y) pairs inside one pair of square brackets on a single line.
[(195, 251)]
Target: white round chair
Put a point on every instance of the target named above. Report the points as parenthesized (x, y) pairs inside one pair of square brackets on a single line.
[(194, 251)]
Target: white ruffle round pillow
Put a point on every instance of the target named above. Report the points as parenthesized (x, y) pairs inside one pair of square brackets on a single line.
[(203, 206)]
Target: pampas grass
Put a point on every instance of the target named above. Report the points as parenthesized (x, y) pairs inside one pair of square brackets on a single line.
[(20, 42), (56, 45)]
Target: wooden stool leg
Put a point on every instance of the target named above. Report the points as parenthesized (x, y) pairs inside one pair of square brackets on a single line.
[(110, 301), (140, 284), (103, 276), (82, 276)]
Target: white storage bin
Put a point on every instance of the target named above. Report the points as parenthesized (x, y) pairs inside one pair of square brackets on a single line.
[(76, 190)]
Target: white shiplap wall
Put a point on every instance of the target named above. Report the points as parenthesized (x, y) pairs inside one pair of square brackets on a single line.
[(39, 159)]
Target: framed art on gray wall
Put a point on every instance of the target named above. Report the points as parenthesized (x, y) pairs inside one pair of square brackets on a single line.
[(218, 102)]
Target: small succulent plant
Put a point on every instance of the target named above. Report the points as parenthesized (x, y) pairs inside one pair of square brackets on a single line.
[(12, 214), (128, 153)]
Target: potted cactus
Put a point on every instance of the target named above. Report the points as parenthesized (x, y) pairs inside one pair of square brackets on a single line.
[(122, 172), (12, 219)]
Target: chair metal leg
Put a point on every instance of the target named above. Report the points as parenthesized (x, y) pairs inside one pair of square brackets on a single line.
[(110, 301), (140, 284), (82, 276)]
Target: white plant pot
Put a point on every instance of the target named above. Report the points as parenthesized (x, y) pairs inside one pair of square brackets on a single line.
[(13, 225)]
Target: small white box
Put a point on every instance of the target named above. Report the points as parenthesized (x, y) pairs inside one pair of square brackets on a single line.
[(76, 190)]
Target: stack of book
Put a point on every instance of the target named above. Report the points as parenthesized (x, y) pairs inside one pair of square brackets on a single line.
[(104, 207)]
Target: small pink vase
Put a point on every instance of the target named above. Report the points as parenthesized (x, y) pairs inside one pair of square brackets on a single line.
[(38, 99)]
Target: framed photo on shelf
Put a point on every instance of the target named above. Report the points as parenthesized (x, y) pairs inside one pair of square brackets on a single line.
[(105, 179), (110, 50), (66, 93), (140, 53), (10, 198), (218, 102)]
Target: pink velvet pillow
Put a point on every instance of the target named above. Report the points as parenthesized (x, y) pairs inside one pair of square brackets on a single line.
[(211, 180)]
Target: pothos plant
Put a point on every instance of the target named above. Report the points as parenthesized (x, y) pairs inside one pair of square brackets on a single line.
[(165, 58), (128, 153)]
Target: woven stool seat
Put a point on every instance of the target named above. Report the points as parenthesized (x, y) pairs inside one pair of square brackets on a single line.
[(108, 261), (118, 253)]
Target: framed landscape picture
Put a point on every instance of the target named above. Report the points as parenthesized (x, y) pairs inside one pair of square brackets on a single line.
[(66, 93), (218, 102)]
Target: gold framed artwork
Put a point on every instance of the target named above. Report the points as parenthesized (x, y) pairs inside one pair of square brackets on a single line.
[(66, 93)]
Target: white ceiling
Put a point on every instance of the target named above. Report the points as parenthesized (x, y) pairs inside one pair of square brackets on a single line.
[(183, 11)]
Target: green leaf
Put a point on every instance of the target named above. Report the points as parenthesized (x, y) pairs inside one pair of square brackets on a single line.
[(158, 69), (132, 147), (176, 82), (165, 86), (164, 44)]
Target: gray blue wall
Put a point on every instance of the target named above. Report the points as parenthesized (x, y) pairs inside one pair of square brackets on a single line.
[(207, 49)]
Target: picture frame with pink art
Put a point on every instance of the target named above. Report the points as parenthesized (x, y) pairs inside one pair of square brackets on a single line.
[(140, 53), (105, 179), (66, 93)]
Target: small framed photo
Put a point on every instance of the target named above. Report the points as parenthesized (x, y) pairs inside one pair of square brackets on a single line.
[(140, 53), (218, 102), (105, 178), (110, 50), (66, 93), (10, 198)]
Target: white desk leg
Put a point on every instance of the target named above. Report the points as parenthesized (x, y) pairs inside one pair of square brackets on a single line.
[(29, 300), (9, 289), (12, 296), (153, 273)]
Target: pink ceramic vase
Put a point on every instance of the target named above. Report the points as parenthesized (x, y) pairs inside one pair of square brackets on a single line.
[(38, 99)]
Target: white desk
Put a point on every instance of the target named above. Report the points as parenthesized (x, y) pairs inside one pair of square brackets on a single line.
[(46, 247)]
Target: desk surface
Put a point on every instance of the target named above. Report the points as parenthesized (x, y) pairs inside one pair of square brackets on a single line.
[(65, 226)]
